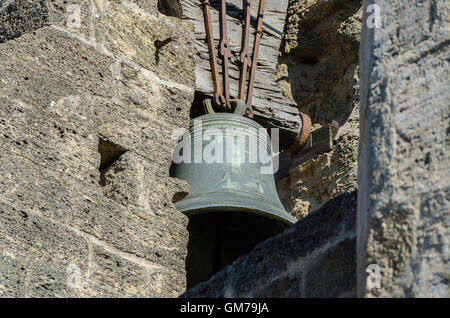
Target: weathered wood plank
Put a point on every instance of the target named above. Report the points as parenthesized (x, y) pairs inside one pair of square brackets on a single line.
[(271, 108), (322, 141)]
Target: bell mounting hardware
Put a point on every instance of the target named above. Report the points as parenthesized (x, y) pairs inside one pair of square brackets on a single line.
[(221, 96)]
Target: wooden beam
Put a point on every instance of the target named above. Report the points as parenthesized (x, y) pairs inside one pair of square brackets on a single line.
[(322, 141)]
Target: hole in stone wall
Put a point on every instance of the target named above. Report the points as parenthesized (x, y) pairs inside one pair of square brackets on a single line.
[(197, 105), (109, 154), (309, 60), (170, 7), (217, 239)]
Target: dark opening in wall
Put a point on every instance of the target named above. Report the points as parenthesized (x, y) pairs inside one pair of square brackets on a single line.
[(109, 154), (170, 7), (20, 17), (197, 109), (217, 239), (197, 105)]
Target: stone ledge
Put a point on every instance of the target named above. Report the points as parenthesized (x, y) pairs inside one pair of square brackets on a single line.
[(315, 257)]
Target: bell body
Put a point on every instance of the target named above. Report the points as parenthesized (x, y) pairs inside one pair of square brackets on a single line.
[(227, 162)]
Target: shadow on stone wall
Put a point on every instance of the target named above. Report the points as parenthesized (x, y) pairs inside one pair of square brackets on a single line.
[(316, 257), (319, 56), (170, 8), (318, 68)]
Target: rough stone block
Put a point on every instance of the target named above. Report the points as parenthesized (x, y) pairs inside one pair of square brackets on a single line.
[(288, 264), (332, 273), (318, 68), (12, 275), (65, 91), (43, 248), (403, 163), (131, 33)]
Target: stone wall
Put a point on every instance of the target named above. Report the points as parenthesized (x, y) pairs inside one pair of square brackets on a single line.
[(313, 258), (88, 105), (403, 207), (87, 109), (318, 69)]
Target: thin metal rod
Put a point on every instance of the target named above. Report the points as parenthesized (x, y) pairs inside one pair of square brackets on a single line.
[(243, 58), (251, 81), (219, 99), (225, 52)]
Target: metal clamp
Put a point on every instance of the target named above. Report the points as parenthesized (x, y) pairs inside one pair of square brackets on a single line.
[(222, 97), (304, 136)]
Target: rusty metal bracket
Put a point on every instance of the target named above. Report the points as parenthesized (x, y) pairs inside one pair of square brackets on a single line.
[(243, 57), (160, 44), (304, 135), (257, 40), (238, 106), (222, 97), (225, 52), (219, 99)]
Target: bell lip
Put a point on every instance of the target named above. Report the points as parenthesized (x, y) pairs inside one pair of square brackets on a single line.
[(216, 202)]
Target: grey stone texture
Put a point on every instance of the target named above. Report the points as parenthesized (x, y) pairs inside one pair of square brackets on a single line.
[(88, 106), (74, 100), (316, 257), (318, 68), (403, 207)]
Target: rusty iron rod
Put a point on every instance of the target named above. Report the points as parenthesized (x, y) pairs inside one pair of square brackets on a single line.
[(243, 58), (225, 52), (222, 97), (219, 99), (251, 81)]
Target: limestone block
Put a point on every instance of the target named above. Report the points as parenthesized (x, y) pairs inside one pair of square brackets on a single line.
[(66, 91), (403, 218), (131, 33), (43, 249)]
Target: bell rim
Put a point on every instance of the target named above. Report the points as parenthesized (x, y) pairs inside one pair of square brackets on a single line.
[(218, 202)]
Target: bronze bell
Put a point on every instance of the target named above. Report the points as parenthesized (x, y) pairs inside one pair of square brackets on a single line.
[(234, 184), (232, 204), (227, 161)]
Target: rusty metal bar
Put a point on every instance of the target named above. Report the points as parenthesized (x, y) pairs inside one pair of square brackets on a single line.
[(251, 81), (243, 57), (219, 99), (225, 52), (222, 94)]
